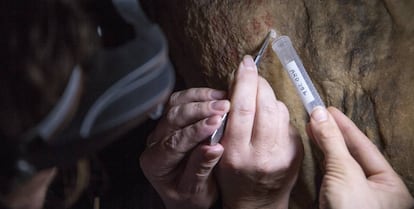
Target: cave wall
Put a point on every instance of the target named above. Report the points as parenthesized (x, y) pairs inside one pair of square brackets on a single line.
[(359, 53)]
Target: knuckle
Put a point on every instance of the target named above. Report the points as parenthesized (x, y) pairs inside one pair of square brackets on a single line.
[(206, 166), (172, 114), (174, 98), (203, 93), (204, 169), (281, 107), (269, 171), (231, 165), (244, 110), (265, 166), (327, 132), (210, 93), (173, 142), (194, 131), (348, 128), (285, 164), (282, 110), (269, 108), (264, 170), (200, 91), (198, 106), (195, 92)]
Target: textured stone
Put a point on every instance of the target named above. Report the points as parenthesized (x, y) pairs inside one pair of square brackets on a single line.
[(359, 53)]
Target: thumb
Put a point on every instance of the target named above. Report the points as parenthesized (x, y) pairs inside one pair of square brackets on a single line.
[(327, 134), (198, 171), (361, 148)]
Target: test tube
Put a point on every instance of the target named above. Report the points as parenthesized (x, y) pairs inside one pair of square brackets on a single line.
[(291, 62)]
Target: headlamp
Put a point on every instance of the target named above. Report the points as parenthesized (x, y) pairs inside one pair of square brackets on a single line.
[(127, 81)]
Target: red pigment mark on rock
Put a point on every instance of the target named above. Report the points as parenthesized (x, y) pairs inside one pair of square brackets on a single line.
[(233, 54), (214, 23), (255, 24), (253, 27), (268, 19)]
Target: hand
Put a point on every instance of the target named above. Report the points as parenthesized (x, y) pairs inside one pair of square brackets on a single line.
[(356, 173), (262, 152), (177, 162), (30, 194)]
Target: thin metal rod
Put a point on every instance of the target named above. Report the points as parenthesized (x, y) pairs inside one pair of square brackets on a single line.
[(263, 49), (216, 136)]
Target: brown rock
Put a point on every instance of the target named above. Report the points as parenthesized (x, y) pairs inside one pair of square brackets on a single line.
[(360, 55)]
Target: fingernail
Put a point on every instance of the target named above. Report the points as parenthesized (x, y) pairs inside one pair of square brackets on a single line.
[(218, 94), (319, 114), (212, 120), (249, 63), (220, 105)]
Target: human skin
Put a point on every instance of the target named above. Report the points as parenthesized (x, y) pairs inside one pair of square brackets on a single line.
[(262, 151), (358, 54), (177, 162), (356, 174), (31, 194)]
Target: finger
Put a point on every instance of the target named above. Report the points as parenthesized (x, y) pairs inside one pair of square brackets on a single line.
[(165, 156), (241, 118), (186, 114), (362, 149), (196, 95), (198, 171), (271, 119), (327, 134)]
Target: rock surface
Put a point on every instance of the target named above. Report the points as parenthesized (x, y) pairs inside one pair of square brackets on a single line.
[(359, 53)]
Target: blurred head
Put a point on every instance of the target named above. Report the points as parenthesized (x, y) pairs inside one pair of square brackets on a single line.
[(43, 43)]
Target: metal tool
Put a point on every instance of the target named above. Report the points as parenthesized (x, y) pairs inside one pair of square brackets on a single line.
[(270, 35), (216, 136)]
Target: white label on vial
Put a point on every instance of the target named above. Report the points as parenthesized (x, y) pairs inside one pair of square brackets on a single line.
[(299, 82)]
